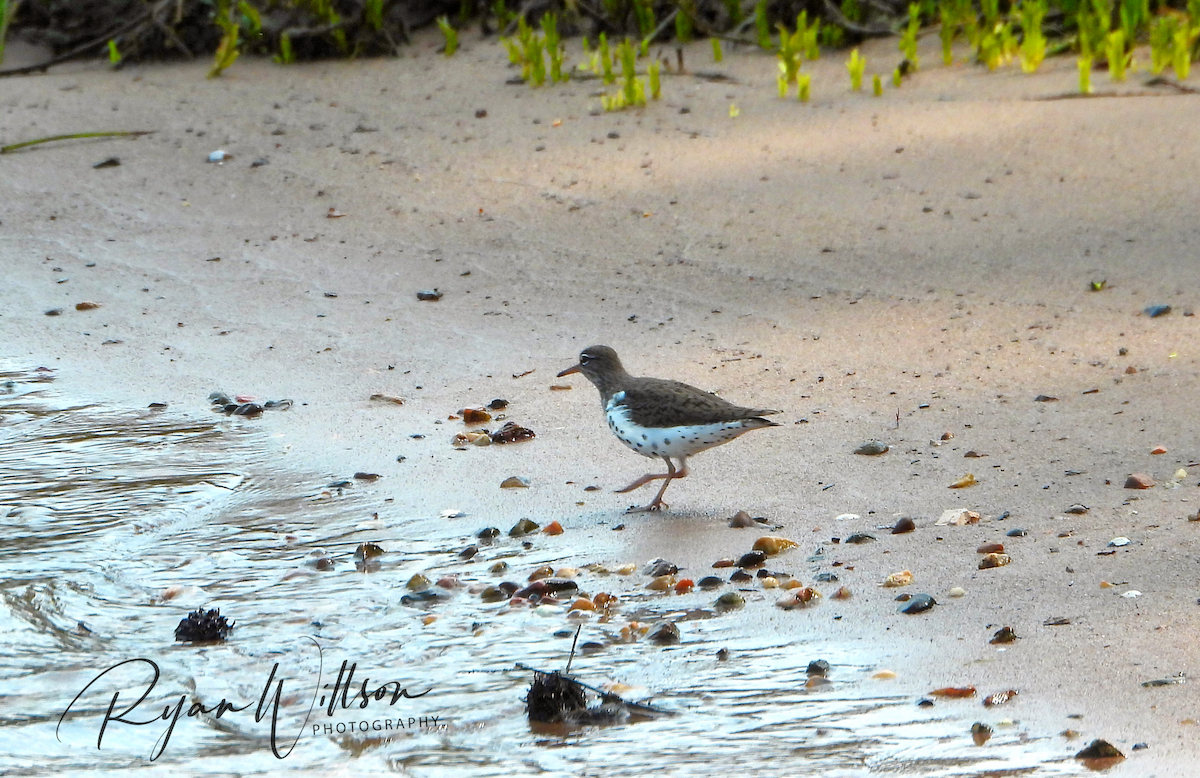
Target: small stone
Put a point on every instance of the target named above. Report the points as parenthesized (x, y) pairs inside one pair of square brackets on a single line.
[(752, 559), (667, 634), (980, 733), (1139, 481), (994, 560), (711, 582), (957, 517), (475, 416), (417, 583), (1003, 635), (1158, 450), (1077, 509), (741, 576), (885, 675), (1017, 532), (684, 586), (957, 591), (741, 520), (514, 482), (725, 562), (545, 571), (798, 598), (429, 295), (860, 537), (488, 534), (498, 568), (817, 667), (999, 698), (895, 580), (1118, 542), (1056, 621), (872, 448), (494, 594), (522, 527), (918, 604), (954, 692), (771, 545), (902, 526), (842, 594), (964, 482), (1045, 398), (1100, 749), (660, 567), (661, 584), (990, 548), (729, 601), (86, 306), (1154, 311), (553, 528), (468, 552)]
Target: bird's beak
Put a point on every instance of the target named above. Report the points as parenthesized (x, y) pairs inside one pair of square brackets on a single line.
[(570, 370)]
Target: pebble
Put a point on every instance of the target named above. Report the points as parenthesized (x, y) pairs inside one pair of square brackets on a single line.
[(658, 567), (666, 634), (990, 548), (980, 733), (860, 537), (741, 576), (1118, 542), (994, 560), (1158, 450), (798, 598), (1154, 311), (553, 528), (957, 591), (771, 545), (902, 526), (872, 448), (429, 295), (494, 594), (662, 583), (514, 482), (475, 416), (964, 482), (711, 582), (741, 520), (468, 552), (902, 578), (918, 604), (684, 586), (1100, 749), (954, 692), (1139, 481), (752, 559), (842, 594), (884, 675), (424, 599), (1078, 509), (999, 698), (770, 582), (488, 534), (522, 527), (545, 571), (725, 562), (957, 517), (417, 583), (1017, 532), (817, 667), (1003, 635), (729, 601), (625, 569)]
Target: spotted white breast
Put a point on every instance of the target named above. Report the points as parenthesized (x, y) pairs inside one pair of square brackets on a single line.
[(671, 441)]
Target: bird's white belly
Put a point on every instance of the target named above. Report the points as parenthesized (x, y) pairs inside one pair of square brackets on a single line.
[(669, 441)]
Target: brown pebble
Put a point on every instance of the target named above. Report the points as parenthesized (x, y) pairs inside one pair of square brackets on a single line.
[(475, 416), (1139, 481), (1159, 450), (904, 525), (841, 594), (990, 548), (999, 698), (553, 528), (725, 562), (1130, 370), (741, 520), (86, 306), (994, 560)]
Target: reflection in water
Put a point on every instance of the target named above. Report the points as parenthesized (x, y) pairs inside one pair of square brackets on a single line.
[(116, 523)]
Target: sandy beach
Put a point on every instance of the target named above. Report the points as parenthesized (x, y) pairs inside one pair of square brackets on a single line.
[(915, 268)]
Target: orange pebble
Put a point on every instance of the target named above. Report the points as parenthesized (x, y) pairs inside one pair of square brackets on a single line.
[(583, 604), (1159, 450), (684, 586), (553, 528)]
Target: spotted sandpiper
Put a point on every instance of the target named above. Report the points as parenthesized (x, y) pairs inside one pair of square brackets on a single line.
[(660, 418)]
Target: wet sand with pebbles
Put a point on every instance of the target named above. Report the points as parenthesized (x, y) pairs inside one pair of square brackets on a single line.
[(915, 269)]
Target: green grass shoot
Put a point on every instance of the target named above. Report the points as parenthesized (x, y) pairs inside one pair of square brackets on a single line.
[(1116, 55), (685, 27), (1033, 39), (652, 76), (857, 64), (877, 85), (908, 41), (373, 14), (1085, 74), (1162, 42), (7, 9), (643, 12), (286, 55), (10, 148), (949, 18), (606, 63), (718, 55), (554, 47), (762, 25), (449, 33), (790, 56), (504, 17), (228, 49), (734, 9), (633, 90), (804, 86), (114, 54), (897, 77), (1181, 55)]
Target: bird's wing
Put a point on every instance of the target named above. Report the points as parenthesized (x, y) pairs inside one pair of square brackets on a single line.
[(653, 400)]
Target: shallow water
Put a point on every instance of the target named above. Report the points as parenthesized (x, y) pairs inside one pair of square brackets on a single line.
[(107, 512)]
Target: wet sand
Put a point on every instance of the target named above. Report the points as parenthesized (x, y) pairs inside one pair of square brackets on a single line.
[(893, 268)]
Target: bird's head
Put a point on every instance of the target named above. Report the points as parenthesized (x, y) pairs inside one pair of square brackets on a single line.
[(598, 364)]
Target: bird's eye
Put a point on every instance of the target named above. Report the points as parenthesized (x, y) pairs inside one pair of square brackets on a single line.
[(585, 358)]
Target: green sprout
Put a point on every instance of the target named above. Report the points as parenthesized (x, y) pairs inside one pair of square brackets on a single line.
[(804, 86), (554, 47), (1133, 14), (633, 90), (286, 55), (808, 35), (8, 8), (504, 17), (114, 54), (897, 76), (685, 21), (1115, 53), (227, 50), (877, 85), (734, 9), (606, 63), (1181, 58), (643, 13), (1162, 42), (655, 82), (1033, 40), (908, 41), (1085, 74), (718, 55), (790, 56), (450, 34), (856, 65), (949, 30), (762, 25)]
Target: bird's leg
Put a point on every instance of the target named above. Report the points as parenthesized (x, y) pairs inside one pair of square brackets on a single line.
[(657, 504), (648, 477)]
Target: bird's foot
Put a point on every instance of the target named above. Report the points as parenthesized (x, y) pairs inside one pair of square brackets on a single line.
[(654, 507)]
